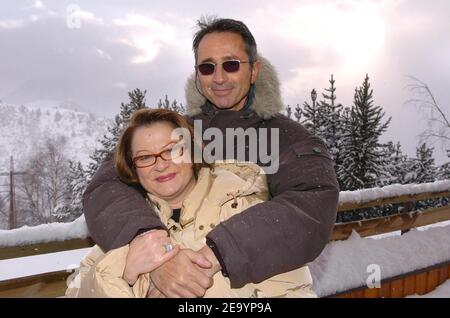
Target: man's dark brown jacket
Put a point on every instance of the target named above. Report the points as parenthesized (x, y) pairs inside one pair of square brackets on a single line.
[(284, 233)]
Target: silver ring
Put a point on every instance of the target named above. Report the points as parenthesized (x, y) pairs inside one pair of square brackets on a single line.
[(168, 247)]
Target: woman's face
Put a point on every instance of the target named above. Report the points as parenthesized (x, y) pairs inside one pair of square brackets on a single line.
[(165, 179)]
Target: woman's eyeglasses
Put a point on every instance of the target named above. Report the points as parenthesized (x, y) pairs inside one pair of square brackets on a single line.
[(144, 161), (230, 66)]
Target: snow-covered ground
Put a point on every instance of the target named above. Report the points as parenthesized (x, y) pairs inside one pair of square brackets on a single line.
[(352, 263)]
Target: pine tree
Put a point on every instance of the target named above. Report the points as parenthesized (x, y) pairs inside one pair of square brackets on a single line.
[(172, 106), (397, 165), (311, 114), (347, 178), (330, 120), (110, 139), (298, 113), (288, 111), (75, 186), (362, 159), (423, 168), (444, 172)]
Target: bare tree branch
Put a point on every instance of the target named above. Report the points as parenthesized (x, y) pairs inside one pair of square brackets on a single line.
[(431, 135), (426, 100)]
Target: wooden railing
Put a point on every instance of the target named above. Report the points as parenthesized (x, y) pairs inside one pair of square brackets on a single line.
[(54, 284), (419, 282)]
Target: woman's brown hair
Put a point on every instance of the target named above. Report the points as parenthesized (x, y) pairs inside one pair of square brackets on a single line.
[(123, 160)]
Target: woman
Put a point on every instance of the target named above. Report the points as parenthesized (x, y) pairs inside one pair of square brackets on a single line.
[(190, 198)]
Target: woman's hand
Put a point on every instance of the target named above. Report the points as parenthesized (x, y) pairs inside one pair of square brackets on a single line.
[(147, 252)]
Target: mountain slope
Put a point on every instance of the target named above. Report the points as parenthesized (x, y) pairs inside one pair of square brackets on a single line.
[(23, 129)]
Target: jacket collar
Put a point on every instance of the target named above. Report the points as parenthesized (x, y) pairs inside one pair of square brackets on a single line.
[(266, 101)]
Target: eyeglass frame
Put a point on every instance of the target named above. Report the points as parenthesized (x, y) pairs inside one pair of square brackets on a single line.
[(215, 65), (158, 155)]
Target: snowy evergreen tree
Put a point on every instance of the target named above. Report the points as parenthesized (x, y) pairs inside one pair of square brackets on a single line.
[(298, 113), (423, 168), (311, 114), (324, 119), (444, 172), (288, 111), (330, 121), (110, 139), (396, 167), (362, 158), (75, 186), (179, 108), (349, 152)]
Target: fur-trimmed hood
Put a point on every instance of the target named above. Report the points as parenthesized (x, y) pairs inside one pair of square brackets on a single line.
[(267, 101)]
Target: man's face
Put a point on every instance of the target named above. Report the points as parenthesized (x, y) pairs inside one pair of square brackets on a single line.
[(225, 90)]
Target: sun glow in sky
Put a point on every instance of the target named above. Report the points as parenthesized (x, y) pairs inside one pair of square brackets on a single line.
[(144, 36), (346, 38), (356, 34)]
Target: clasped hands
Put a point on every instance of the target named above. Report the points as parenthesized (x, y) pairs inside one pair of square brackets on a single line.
[(176, 273)]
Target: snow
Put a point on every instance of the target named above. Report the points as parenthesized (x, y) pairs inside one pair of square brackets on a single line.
[(44, 233), (421, 228), (45, 263), (385, 235), (344, 265), (440, 224), (442, 291), (393, 190)]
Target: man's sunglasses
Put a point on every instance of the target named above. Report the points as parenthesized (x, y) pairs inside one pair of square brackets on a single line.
[(230, 66)]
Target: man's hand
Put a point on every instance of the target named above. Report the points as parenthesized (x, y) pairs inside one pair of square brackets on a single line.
[(147, 252), (183, 276), (210, 256)]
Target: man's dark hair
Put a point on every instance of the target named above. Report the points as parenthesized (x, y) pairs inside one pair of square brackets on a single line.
[(212, 24)]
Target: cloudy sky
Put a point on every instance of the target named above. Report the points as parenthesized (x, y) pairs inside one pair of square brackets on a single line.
[(89, 54)]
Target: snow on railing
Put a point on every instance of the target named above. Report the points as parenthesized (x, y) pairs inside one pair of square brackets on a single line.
[(43, 233), (392, 191)]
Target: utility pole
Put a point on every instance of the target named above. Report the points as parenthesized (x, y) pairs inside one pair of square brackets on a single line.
[(12, 194)]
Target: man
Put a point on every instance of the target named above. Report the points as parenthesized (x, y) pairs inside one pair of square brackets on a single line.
[(233, 88)]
